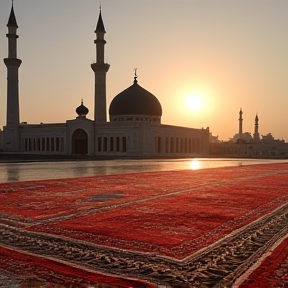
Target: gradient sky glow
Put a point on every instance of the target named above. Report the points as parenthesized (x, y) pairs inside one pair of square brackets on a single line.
[(233, 53)]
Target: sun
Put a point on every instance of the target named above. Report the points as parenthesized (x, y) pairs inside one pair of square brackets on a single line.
[(194, 102)]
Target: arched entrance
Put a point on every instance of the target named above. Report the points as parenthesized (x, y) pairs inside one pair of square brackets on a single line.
[(80, 142)]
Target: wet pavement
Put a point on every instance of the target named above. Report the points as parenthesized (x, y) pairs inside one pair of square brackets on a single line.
[(13, 172)]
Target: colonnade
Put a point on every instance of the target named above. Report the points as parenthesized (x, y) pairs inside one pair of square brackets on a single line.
[(173, 145), (111, 144), (43, 144)]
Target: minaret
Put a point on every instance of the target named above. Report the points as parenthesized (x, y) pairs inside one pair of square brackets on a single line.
[(240, 122), (100, 69), (256, 130), (11, 141)]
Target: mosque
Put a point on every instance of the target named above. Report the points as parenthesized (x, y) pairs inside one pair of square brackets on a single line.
[(134, 128), (244, 145)]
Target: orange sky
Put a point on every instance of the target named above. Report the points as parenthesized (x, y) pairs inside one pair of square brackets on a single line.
[(231, 53)]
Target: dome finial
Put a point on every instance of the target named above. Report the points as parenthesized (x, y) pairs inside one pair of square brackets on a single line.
[(135, 76)]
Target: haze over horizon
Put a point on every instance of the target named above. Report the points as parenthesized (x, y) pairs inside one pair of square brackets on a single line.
[(231, 54)]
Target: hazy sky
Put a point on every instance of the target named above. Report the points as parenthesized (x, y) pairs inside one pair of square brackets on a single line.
[(233, 53)]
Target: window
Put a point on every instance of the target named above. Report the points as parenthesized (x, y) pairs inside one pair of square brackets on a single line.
[(124, 144), (99, 144), (117, 144), (105, 144), (111, 144)]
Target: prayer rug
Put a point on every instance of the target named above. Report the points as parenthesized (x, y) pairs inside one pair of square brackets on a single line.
[(192, 228)]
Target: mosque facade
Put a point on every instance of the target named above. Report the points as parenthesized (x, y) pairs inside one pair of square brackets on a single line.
[(134, 128)]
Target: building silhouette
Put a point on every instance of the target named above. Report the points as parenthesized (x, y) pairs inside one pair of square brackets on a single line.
[(243, 145), (134, 128)]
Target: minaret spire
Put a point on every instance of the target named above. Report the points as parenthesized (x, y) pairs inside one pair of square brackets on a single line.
[(11, 141), (100, 69), (12, 19), (240, 122)]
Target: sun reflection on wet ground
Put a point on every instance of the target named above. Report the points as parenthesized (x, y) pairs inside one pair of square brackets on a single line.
[(195, 165), (13, 172)]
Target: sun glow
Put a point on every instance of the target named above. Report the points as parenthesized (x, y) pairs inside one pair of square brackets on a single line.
[(194, 102)]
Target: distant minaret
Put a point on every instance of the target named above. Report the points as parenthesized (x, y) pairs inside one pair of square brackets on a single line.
[(240, 122), (100, 69), (256, 135), (11, 137)]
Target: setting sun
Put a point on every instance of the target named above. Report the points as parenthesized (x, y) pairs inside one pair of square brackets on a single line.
[(194, 102)]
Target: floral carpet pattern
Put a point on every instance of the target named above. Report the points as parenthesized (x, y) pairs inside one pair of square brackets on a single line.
[(223, 227)]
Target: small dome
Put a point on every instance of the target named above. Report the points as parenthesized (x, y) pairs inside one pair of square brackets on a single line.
[(82, 111), (135, 100)]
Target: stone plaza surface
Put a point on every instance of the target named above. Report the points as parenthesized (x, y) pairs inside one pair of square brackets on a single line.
[(189, 228)]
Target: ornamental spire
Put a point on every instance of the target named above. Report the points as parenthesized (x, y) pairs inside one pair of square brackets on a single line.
[(12, 19), (100, 25), (256, 119)]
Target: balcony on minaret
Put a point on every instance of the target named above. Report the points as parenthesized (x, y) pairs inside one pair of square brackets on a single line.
[(100, 67), (12, 62)]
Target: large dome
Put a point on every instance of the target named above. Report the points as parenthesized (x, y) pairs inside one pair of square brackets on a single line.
[(135, 101)]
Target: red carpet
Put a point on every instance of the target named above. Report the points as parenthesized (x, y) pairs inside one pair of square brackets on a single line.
[(57, 273), (178, 227), (273, 272)]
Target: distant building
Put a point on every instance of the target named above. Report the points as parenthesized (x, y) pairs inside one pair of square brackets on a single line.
[(244, 145), (243, 138), (1, 141), (269, 139), (213, 139), (134, 130)]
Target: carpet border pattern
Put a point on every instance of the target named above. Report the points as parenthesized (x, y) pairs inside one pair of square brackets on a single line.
[(222, 262)]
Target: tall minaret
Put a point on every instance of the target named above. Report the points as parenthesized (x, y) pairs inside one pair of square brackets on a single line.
[(11, 141), (256, 130), (100, 69), (240, 122)]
